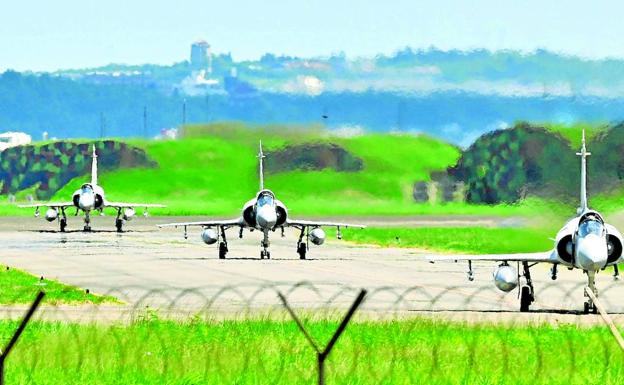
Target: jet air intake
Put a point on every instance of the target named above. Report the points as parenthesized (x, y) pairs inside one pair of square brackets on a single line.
[(565, 248), (614, 248)]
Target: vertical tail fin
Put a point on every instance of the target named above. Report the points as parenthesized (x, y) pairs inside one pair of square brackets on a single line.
[(261, 157), (94, 171), (583, 154)]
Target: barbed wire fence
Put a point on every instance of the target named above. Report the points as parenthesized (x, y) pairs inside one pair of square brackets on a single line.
[(261, 334)]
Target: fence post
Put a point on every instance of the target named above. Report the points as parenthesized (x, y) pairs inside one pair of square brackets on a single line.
[(605, 317), (4, 353), (321, 355)]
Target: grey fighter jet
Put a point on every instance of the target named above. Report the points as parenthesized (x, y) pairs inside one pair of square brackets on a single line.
[(266, 214), (586, 243), (89, 198)]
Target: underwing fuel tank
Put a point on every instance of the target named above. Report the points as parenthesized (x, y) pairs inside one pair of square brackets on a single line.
[(505, 278), (317, 236), (209, 236), (51, 215)]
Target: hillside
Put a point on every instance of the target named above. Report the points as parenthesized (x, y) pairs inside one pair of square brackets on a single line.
[(69, 109), (216, 175), (506, 166), (214, 170)]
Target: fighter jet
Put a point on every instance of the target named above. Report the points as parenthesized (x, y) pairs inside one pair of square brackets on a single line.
[(89, 198), (586, 243), (266, 214)]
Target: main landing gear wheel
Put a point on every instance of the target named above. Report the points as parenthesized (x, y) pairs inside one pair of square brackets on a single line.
[(63, 224), (222, 250), (527, 292), (525, 298), (265, 254), (589, 308), (119, 225), (301, 250)]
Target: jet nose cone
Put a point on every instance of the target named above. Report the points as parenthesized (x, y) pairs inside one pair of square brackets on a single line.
[(86, 201), (591, 252), (266, 217)]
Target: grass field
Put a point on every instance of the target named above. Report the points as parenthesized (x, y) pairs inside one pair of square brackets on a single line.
[(18, 287), (415, 351), (215, 170), (217, 173), (470, 240), (574, 132)]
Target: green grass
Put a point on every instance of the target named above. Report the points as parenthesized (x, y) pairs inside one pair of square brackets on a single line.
[(216, 174), (414, 351), (19, 287), (215, 171), (471, 240), (573, 132)]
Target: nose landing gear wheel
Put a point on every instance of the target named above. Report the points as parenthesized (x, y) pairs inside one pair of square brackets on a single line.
[(63, 224), (301, 250), (265, 254), (119, 225)]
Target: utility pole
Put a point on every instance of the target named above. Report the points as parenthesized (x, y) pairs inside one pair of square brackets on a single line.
[(102, 125), (145, 121), (400, 116)]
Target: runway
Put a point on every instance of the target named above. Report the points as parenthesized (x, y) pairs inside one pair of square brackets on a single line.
[(157, 267)]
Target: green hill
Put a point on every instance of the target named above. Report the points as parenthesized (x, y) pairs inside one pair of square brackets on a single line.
[(214, 170), (217, 174)]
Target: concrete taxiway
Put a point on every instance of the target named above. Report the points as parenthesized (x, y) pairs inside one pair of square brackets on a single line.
[(147, 266)]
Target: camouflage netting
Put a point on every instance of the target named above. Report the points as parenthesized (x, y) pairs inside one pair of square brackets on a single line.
[(606, 164), (51, 166), (505, 165), (312, 156)]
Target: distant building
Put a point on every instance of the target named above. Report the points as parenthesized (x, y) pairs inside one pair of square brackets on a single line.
[(13, 139), (168, 133), (201, 57)]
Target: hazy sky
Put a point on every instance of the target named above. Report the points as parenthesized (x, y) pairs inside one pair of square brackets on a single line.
[(48, 35)]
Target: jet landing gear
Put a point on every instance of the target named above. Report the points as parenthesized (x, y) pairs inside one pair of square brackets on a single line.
[(223, 249), (265, 253), (589, 306), (302, 248), (63, 221), (119, 222), (87, 222), (527, 292)]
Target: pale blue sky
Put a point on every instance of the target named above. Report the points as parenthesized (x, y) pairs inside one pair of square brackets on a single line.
[(53, 34)]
